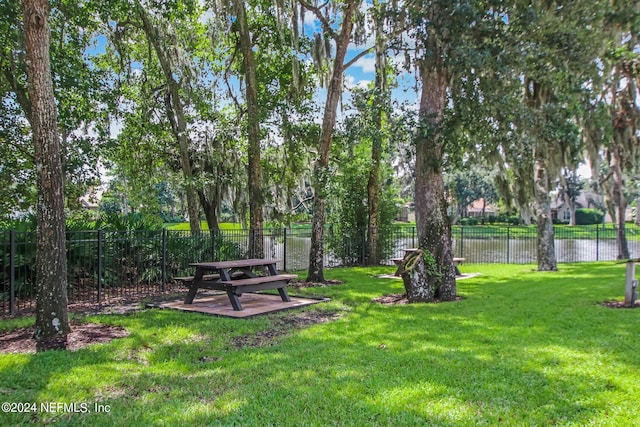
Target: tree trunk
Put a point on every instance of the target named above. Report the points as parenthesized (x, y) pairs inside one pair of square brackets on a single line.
[(321, 172), (373, 184), (52, 323), (546, 251), (256, 218), (536, 96), (419, 267), (432, 222), (572, 212), (620, 203), (176, 116), (210, 211), (316, 252)]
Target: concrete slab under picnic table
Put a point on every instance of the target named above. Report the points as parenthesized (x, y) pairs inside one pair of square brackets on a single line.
[(252, 304)]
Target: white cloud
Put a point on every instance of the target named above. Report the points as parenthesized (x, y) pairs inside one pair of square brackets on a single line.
[(367, 63)]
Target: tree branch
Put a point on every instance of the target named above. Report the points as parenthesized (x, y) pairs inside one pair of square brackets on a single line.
[(302, 203), (21, 93), (357, 57), (323, 21)]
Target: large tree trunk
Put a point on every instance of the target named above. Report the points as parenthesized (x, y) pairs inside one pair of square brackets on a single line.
[(176, 116), (432, 222), (373, 184), (321, 172), (256, 218), (572, 212), (546, 252), (536, 96), (52, 323), (620, 203)]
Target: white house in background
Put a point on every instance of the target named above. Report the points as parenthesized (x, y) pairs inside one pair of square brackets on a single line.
[(91, 200), (586, 200), (88, 204)]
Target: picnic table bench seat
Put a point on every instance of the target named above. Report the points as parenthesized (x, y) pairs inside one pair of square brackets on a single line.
[(259, 280), (189, 279)]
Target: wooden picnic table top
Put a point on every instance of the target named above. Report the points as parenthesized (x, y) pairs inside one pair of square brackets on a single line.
[(238, 263)]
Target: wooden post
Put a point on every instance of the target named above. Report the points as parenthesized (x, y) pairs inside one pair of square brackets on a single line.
[(628, 287)]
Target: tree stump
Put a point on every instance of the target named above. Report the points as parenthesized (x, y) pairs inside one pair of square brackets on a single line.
[(631, 284)]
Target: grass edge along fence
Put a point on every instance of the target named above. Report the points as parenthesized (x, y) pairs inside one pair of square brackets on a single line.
[(103, 265)]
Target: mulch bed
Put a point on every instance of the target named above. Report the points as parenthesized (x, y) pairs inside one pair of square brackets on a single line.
[(82, 335)]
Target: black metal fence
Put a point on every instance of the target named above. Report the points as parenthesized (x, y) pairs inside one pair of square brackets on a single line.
[(103, 265)]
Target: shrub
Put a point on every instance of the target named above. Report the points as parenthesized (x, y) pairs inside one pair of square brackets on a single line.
[(588, 216), (514, 220), (469, 221)]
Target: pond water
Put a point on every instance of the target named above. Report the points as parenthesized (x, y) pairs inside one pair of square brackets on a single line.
[(519, 251), (483, 251)]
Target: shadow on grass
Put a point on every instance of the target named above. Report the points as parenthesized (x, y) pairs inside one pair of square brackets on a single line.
[(521, 349)]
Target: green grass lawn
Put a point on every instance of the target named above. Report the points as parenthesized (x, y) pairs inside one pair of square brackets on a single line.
[(521, 348), (184, 226), (530, 232)]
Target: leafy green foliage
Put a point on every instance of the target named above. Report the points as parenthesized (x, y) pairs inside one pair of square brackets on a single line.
[(589, 216), (348, 214), (82, 94)]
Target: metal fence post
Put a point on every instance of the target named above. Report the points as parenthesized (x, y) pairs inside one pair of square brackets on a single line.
[(284, 255), (12, 272), (413, 237), (99, 265), (508, 248), (252, 242), (164, 258), (597, 242), (212, 235), (462, 241)]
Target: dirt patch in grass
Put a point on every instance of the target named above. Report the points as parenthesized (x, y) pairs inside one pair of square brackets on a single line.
[(303, 284), (392, 299), (123, 305), (82, 335), (619, 304), (283, 325), (399, 299)]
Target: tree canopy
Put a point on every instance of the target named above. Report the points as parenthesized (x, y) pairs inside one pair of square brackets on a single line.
[(270, 111)]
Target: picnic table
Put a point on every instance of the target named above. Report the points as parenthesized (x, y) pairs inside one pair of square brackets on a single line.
[(399, 262), (235, 278)]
